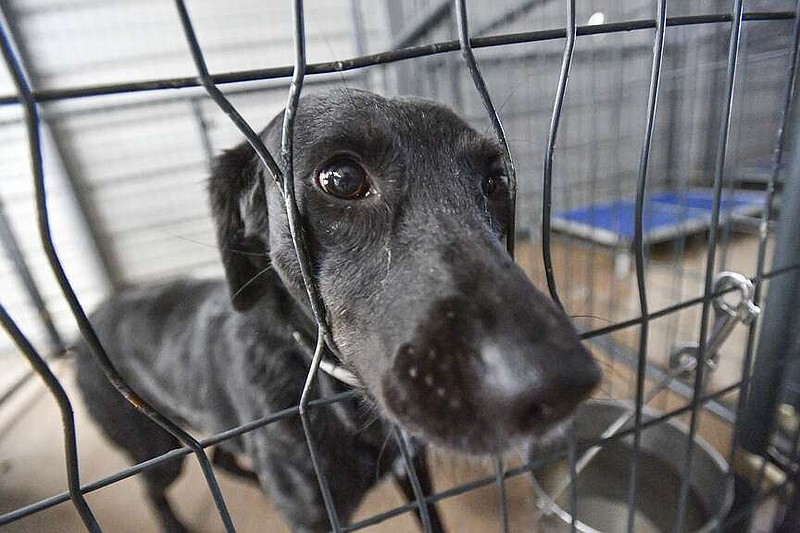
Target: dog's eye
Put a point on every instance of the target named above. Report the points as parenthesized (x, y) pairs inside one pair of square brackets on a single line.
[(344, 178), (490, 184)]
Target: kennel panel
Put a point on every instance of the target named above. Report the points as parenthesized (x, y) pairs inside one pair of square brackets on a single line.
[(607, 92)]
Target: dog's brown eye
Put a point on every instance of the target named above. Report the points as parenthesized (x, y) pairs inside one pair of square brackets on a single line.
[(344, 178)]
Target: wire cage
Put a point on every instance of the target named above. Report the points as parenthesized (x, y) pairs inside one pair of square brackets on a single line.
[(655, 149)]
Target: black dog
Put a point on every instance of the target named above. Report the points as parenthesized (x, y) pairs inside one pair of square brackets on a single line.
[(406, 209)]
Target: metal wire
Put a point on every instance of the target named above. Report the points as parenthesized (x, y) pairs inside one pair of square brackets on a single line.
[(29, 99), (202, 131), (638, 246), (536, 464), (404, 444), (547, 176), (294, 411), (733, 55), (93, 342), (173, 455), (763, 232), (383, 58), (301, 250), (12, 248), (599, 332), (285, 183), (791, 477), (380, 518), (327, 497), (750, 506), (67, 418), (486, 99), (209, 84), (572, 456), (499, 469)]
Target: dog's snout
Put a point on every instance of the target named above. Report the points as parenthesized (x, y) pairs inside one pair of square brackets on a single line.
[(534, 393), (525, 388), (467, 385)]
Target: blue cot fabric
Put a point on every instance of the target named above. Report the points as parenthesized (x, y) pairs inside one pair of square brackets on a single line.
[(666, 214)]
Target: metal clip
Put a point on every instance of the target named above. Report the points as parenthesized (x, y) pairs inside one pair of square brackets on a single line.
[(684, 358)]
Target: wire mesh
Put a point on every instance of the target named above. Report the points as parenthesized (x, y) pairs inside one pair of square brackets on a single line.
[(70, 444), (32, 121), (30, 98), (547, 177), (722, 147), (777, 164), (639, 251), (480, 85)]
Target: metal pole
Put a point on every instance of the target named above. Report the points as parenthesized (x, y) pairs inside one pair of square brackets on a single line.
[(780, 319)]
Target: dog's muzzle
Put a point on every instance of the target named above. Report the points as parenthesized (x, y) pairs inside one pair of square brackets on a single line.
[(486, 371)]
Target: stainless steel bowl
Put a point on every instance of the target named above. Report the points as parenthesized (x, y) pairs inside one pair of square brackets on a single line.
[(603, 484)]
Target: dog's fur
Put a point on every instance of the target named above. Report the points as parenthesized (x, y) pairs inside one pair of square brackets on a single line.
[(446, 333)]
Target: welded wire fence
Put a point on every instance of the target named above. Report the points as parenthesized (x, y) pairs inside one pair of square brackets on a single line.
[(30, 99)]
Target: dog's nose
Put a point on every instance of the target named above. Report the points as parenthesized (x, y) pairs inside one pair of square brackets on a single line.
[(487, 396), (522, 392)]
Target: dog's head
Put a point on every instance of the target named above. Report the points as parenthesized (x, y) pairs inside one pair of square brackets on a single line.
[(406, 209)]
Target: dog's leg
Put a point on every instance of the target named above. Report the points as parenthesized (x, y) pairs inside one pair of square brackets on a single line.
[(147, 441), (227, 461), (151, 441), (169, 522), (137, 435), (420, 465)]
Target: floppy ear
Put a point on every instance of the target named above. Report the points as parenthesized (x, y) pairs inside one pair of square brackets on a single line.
[(240, 213)]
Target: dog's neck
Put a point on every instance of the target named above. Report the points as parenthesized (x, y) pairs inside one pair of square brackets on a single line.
[(328, 362), (290, 300)]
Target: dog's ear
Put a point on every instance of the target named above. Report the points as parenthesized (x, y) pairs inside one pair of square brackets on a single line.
[(240, 213)]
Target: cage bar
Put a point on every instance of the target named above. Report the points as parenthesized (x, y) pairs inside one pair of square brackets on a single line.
[(404, 444), (639, 251), (45, 95), (722, 147), (547, 175), (741, 431), (29, 98), (11, 246), (465, 45)]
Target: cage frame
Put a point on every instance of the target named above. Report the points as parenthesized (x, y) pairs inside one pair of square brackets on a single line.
[(29, 98)]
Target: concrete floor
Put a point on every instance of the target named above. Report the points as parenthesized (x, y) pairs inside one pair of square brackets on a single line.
[(31, 447), (32, 468)]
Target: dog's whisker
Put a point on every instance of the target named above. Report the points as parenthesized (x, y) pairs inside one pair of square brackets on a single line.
[(382, 450), (342, 79), (593, 317), (522, 141), (370, 416), (207, 245), (241, 252), (388, 259), (250, 281), (605, 364), (187, 239)]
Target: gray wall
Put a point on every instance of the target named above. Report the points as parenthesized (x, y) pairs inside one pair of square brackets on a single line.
[(599, 142)]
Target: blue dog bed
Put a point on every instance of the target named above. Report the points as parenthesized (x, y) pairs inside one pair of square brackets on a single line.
[(667, 215)]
